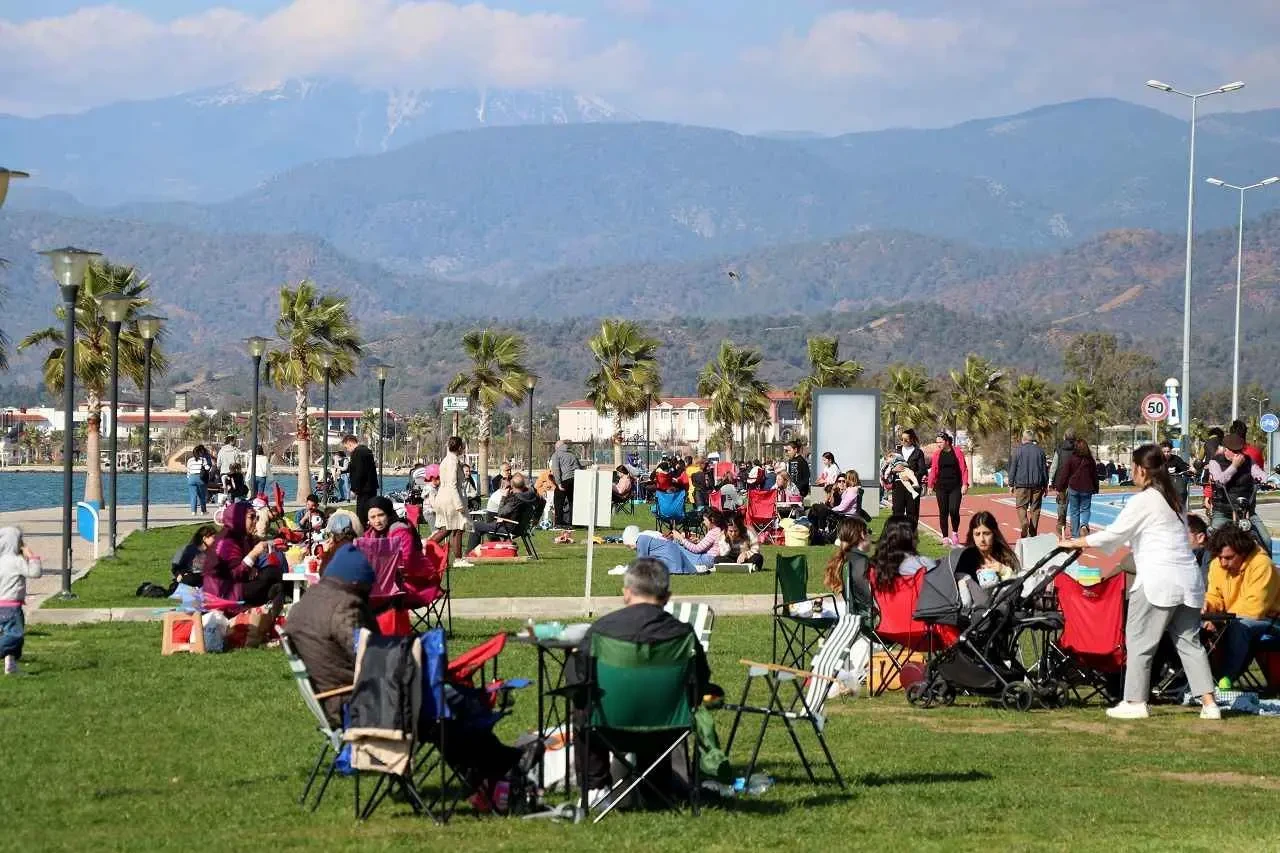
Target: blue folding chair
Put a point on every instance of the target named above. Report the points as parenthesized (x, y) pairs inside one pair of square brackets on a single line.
[(668, 509)]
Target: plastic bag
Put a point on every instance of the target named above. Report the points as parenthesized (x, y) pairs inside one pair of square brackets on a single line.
[(215, 630)]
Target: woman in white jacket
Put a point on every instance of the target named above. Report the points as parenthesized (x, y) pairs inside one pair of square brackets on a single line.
[(1168, 590)]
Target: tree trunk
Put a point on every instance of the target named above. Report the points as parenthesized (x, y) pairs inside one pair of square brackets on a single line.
[(484, 425), (304, 442), (92, 449), (617, 448)]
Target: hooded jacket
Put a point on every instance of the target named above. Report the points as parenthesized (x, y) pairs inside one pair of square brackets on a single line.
[(226, 572), (14, 568), (322, 628)]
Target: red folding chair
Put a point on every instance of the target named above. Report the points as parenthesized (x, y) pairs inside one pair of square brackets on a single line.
[(762, 512), (715, 500), (388, 593), (1092, 638), (896, 625), (413, 514), (427, 597)]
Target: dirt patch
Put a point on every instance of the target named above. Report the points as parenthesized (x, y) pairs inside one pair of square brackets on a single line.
[(1240, 780), (1088, 728), (951, 726)]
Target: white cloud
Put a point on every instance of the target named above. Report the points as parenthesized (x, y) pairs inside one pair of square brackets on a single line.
[(104, 53)]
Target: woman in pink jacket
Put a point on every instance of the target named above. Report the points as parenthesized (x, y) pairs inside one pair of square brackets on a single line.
[(949, 481), (385, 524)]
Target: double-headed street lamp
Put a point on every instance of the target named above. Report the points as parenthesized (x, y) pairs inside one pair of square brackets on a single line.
[(326, 361), (257, 347), (1191, 202), (1235, 357), (115, 307), (69, 267), (381, 370), (149, 327)]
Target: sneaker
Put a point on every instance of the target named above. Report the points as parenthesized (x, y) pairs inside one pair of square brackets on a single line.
[(1210, 712), (1129, 711), (597, 796), (463, 564), (618, 570), (10, 665), (1225, 683)]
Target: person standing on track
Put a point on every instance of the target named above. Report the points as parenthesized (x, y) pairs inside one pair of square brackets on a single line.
[(1065, 450), (1028, 477), (904, 503), (949, 480)]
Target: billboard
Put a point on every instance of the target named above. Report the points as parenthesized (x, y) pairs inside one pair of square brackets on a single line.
[(846, 423)]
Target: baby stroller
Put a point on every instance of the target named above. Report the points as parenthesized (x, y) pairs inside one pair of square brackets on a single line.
[(987, 658)]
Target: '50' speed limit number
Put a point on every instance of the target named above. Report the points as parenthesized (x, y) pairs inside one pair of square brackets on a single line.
[(1155, 407)]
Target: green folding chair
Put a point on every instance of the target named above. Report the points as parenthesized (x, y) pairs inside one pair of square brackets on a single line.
[(640, 689), (800, 633)]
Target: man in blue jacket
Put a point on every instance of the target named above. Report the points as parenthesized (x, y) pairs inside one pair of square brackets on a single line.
[(1028, 478)]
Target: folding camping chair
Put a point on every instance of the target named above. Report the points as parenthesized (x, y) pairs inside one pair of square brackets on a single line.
[(1090, 649), (332, 736), (896, 625), (429, 604), (668, 508), (800, 630), (388, 593), (639, 692), (762, 512), (812, 687), (521, 527), (698, 616)]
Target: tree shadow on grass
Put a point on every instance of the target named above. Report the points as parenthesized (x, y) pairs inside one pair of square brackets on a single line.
[(877, 780)]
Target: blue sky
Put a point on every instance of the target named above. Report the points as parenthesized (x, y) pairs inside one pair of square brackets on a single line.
[(751, 65)]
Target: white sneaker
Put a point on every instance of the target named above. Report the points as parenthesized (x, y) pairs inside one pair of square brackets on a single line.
[(1210, 712), (463, 564), (618, 570), (1129, 711)]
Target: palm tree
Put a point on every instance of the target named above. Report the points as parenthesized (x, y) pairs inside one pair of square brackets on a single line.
[(93, 352), (908, 396), (826, 370), (369, 425), (1079, 407), (1032, 407), (737, 394), (497, 373), (420, 428), (310, 326), (626, 378), (978, 397)]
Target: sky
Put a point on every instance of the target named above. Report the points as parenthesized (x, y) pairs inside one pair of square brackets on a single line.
[(749, 65)]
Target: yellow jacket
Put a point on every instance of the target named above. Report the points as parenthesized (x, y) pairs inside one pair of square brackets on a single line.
[(1253, 592)]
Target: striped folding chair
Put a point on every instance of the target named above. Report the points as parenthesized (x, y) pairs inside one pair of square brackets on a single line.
[(699, 616), (841, 658), (333, 742)]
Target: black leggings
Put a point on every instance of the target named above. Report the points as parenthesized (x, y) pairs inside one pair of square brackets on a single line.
[(266, 588), (948, 508), (904, 504)]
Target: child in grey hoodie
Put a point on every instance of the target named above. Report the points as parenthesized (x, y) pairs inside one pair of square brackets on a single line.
[(17, 563)]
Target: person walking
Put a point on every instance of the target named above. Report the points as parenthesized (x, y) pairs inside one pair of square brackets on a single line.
[(197, 468), (261, 471), (1168, 589), (451, 501), (362, 475), (1076, 479), (949, 480), (1028, 478), (563, 466), (905, 503), (1065, 451)]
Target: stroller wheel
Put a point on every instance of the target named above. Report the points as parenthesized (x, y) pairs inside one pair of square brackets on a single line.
[(919, 695), (1017, 697), (943, 693)]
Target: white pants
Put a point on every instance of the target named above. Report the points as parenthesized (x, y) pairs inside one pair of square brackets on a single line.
[(1145, 625)]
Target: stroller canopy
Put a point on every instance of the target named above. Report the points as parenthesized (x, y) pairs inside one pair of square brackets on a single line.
[(939, 600)]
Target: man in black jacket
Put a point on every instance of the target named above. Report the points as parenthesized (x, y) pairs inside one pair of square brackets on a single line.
[(362, 472), (798, 468), (519, 498), (1065, 450)]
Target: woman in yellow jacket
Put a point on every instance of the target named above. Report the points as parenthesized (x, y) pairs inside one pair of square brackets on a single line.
[(1244, 583)]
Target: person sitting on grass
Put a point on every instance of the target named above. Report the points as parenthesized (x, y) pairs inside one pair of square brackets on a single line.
[(188, 563), (1243, 583), (897, 552), (650, 543), (321, 628), (310, 519), (646, 588), (740, 544), (243, 571), (706, 551), (17, 565)]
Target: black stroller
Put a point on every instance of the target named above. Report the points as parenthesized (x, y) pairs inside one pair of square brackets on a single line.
[(989, 658)]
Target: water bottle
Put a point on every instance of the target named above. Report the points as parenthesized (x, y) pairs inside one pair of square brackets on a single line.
[(758, 784)]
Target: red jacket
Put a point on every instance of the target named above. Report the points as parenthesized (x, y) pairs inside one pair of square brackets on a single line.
[(964, 468), (1256, 455)]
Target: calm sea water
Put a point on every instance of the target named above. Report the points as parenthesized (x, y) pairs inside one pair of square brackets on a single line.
[(30, 490)]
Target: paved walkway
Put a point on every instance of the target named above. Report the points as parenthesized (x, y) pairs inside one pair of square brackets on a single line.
[(42, 531)]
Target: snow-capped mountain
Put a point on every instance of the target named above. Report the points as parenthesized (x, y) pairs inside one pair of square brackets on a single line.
[(211, 145)]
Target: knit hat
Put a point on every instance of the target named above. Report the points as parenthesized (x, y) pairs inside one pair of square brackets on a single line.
[(350, 565), (631, 535)]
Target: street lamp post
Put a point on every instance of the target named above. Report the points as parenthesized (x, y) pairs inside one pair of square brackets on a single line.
[(116, 307), (257, 348), (69, 267), (6, 175), (1235, 357), (149, 328), (1191, 202), (530, 383), (326, 361), (381, 371)]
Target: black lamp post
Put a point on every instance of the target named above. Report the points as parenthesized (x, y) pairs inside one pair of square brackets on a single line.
[(115, 306), (69, 267), (257, 348), (149, 328), (530, 383), (381, 370), (326, 361)]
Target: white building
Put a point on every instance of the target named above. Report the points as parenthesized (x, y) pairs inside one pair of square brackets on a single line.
[(673, 421)]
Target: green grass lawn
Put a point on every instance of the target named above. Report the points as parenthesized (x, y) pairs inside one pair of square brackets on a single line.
[(108, 746), (561, 572)]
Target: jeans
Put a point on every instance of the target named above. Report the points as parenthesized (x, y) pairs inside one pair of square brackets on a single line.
[(344, 488), (1079, 507), (199, 492), (1239, 637), (259, 486), (12, 631), (1222, 519)]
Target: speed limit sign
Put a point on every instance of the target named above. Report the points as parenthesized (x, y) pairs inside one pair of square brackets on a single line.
[(1155, 407)]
